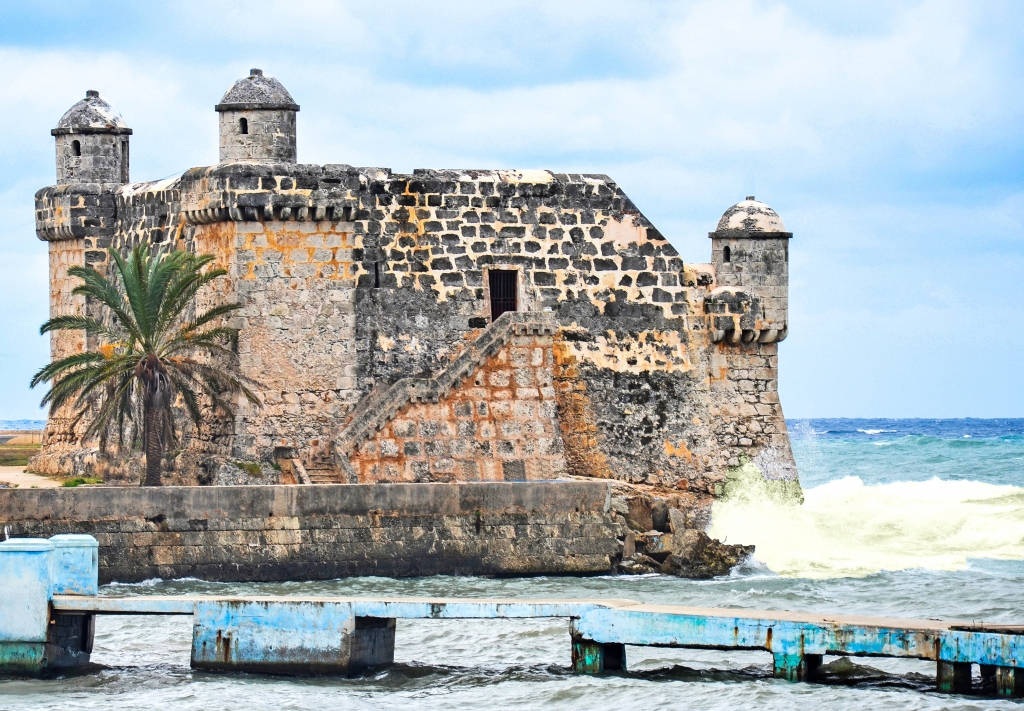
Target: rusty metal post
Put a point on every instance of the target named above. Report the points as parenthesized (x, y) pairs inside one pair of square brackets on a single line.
[(953, 677), (590, 657)]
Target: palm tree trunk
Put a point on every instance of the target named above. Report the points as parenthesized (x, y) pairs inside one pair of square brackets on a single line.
[(154, 451)]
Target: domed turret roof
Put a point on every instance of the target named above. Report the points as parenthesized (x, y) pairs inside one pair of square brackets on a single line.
[(91, 115), (257, 92), (751, 215)]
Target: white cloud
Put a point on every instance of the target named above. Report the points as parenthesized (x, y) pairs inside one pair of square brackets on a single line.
[(887, 139)]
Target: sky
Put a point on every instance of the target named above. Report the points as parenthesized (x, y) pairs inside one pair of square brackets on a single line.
[(888, 136)]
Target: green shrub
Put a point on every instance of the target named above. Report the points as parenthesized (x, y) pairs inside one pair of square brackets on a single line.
[(79, 480)]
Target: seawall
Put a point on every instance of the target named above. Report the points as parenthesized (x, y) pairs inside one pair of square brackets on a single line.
[(265, 533)]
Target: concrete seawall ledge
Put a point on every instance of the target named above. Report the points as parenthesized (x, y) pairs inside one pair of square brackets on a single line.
[(254, 533)]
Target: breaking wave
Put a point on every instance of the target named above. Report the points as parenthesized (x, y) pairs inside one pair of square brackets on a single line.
[(846, 528)]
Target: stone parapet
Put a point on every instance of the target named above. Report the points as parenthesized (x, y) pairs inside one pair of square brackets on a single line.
[(319, 532), (80, 210)]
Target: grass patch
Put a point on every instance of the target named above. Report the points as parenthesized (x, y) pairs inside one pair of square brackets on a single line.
[(16, 455), (80, 480), (250, 468)]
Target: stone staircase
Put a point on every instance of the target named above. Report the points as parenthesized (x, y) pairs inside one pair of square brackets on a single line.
[(381, 404)]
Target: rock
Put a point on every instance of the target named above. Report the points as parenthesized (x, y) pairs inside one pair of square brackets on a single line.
[(638, 565), (223, 472), (629, 545), (620, 506), (639, 516), (697, 555), (659, 515), (677, 521), (655, 544)]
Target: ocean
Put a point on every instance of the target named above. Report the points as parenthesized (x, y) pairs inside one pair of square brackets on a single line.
[(909, 518)]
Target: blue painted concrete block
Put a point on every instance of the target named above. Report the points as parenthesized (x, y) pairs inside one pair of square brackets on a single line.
[(273, 636), (24, 604), (24, 589), (74, 565)]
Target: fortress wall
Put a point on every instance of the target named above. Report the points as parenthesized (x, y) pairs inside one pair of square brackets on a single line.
[(632, 328), (501, 424), (244, 533), (297, 341), (576, 243), (750, 424), (351, 279)]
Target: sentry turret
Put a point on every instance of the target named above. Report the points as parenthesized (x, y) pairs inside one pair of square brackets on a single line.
[(750, 255), (257, 121), (92, 143)]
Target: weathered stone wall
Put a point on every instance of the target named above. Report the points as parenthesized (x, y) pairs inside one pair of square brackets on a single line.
[(297, 342), (499, 425), (353, 278), (320, 532)]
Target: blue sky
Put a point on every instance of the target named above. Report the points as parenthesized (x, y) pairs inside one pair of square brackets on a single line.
[(888, 135)]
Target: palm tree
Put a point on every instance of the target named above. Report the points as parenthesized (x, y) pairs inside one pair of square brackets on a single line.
[(149, 356)]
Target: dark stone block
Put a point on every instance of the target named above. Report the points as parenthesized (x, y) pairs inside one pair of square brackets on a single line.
[(513, 470)]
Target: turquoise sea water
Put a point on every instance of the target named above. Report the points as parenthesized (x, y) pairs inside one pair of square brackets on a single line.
[(22, 424), (908, 518)]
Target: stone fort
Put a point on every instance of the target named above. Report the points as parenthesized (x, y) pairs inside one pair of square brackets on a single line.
[(443, 326)]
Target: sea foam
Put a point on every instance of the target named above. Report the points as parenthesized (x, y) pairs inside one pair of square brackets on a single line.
[(845, 528)]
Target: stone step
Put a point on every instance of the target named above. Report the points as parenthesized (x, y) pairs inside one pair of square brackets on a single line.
[(326, 476)]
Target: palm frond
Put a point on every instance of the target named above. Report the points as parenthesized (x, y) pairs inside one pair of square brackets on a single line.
[(154, 351), (78, 360), (77, 323)]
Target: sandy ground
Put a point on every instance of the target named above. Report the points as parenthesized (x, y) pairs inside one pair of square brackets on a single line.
[(24, 480)]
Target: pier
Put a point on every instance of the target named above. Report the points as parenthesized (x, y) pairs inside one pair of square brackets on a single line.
[(49, 600)]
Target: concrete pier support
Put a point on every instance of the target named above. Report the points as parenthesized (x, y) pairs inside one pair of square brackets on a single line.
[(288, 637), (1009, 681), (373, 643), (953, 677), (796, 667), (34, 639), (590, 657)]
